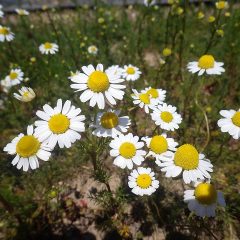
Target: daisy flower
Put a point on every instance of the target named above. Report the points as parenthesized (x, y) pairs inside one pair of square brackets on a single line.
[(143, 100), (206, 63), (115, 70), (5, 85), (131, 73), (15, 76), (26, 94), (28, 149), (48, 48), (230, 122), (61, 124), (22, 12), (203, 199), (189, 162), (6, 34), (158, 94), (98, 85), (143, 181), (127, 150), (160, 147), (221, 5), (109, 124), (166, 117), (93, 50)]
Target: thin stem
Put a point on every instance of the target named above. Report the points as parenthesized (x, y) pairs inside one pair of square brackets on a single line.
[(167, 27), (12, 52), (204, 114), (140, 29), (182, 41), (207, 124), (54, 29), (213, 33), (209, 231)]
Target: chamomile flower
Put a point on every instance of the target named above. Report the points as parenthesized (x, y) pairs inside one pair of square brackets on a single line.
[(5, 85), (93, 50), (160, 147), (22, 12), (48, 48), (6, 34), (26, 94), (203, 199), (143, 100), (127, 150), (221, 5), (115, 70), (158, 94), (110, 124), (131, 73), (166, 117), (61, 124), (206, 63), (28, 149), (230, 122), (15, 76), (143, 181), (188, 162), (98, 86)]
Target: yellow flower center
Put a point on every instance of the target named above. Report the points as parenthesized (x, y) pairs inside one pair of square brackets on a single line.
[(144, 180), (186, 157), (153, 92), (25, 94), (47, 45), (27, 146), (93, 49), (13, 75), (127, 150), (109, 120), (206, 62), (21, 12), (205, 193), (58, 123), (211, 19), (130, 70), (200, 15), (144, 97), (98, 81), (221, 5), (236, 119), (158, 144), (166, 117), (167, 52), (4, 31)]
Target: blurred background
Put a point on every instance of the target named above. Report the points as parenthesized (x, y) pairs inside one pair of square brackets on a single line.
[(10, 5)]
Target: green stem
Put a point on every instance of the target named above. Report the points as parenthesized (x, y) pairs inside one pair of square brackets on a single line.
[(204, 114), (213, 33)]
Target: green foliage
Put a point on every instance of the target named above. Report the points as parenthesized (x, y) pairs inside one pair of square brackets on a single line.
[(38, 201)]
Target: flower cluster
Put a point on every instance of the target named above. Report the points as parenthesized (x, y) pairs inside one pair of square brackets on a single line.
[(62, 125)]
